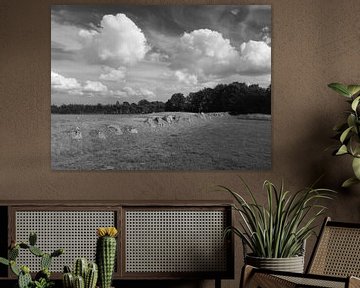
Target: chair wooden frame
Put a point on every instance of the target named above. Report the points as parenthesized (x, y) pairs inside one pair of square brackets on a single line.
[(320, 272)]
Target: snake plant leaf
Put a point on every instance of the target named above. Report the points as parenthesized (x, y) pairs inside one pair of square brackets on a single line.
[(278, 228), (355, 103), (340, 88), (356, 167), (345, 134), (353, 89), (342, 150), (349, 182)]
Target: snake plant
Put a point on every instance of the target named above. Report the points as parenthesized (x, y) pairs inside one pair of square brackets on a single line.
[(279, 228)]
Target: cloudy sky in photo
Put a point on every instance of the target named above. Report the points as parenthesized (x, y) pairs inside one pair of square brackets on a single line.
[(103, 54)]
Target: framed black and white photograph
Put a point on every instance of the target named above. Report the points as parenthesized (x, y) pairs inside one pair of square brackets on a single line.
[(154, 87)]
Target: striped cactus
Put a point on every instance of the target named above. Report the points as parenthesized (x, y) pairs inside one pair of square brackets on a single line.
[(84, 275), (106, 254), (81, 265), (68, 280), (91, 276), (79, 282)]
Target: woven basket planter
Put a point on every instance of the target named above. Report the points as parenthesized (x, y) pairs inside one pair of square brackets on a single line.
[(291, 264)]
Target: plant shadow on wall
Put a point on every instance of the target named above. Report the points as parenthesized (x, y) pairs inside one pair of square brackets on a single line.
[(276, 232)]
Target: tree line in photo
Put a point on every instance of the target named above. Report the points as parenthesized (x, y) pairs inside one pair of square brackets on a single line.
[(235, 98)]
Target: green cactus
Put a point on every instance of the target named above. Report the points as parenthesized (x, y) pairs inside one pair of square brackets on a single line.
[(13, 253), (105, 255), (42, 278), (68, 280), (79, 282), (24, 280), (81, 265), (24, 245), (36, 251), (87, 272), (43, 274), (67, 269), (91, 276), (57, 252), (45, 261), (32, 238), (14, 268)]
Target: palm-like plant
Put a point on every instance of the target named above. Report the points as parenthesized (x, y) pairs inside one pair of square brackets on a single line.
[(348, 132), (280, 229)]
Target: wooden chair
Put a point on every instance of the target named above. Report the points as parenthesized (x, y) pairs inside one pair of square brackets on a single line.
[(334, 263)]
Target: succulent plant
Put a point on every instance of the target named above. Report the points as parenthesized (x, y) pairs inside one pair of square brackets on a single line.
[(85, 275), (42, 278), (80, 267), (106, 254), (79, 282), (91, 276)]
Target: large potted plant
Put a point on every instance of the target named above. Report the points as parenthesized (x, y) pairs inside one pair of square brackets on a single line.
[(348, 133), (275, 233)]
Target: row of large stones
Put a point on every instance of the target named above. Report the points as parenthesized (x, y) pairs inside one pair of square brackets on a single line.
[(153, 122)]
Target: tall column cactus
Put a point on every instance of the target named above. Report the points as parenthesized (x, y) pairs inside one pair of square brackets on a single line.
[(106, 254)]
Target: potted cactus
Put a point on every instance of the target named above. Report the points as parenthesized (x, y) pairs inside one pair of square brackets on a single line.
[(42, 278), (84, 275), (106, 254)]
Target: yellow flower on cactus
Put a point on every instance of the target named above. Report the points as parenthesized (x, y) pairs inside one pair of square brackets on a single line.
[(106, 231), (25, 269)]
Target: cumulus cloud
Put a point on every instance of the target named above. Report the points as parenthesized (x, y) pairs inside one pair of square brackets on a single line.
[(72, 86), (60, 82), (130, 91), (118, 42), (255, 58), (183, 77), (113, 74), (95, 86), (203, 54)]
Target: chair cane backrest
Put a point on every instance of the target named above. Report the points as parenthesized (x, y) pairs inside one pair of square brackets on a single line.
[(337, 252)]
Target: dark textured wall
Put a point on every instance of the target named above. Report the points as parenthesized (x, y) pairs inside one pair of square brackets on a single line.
[(313, 43)]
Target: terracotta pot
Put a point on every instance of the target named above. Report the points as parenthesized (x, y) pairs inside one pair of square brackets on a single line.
[(291, 264)]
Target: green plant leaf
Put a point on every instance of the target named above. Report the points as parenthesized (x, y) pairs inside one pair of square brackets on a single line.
[(351, 120), (353, 89), (349, 182), (354, 144), (279, 228), (4, 261), (340, 88), (356, 167), (355, 103), (345, 134), (342, 150)]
